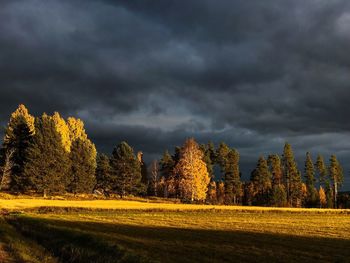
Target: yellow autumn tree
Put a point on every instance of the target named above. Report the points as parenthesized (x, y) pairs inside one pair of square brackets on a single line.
[(192, 172), (76, 129), (63, 129), (323, 198)]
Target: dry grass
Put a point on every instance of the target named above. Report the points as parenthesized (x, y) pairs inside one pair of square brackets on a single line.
[(166, 232), (22, 204)]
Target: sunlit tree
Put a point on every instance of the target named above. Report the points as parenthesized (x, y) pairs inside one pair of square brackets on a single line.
[(233, 184), (18, 135), (83, 166), (125, 170), (309, 175), (322, 197), (336, 175), (48, 162), (292, 177), (192, 171), (63, 129)]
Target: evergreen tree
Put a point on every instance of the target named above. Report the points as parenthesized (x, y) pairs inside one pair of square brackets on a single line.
[(262, 181), (192, 171), (292, 177), (324, 180), (18, 136), (166, 165), (311, 195), (233, 184), (47, 161), (126, 170), (5, 182), (221, 156), (211, 196), (208, 153), (278, 196), (220, 192), (177, 155), (153, 187), (144, 169), (321, 170), (336, 175), (103, 173), (276, 170), (83, 166)]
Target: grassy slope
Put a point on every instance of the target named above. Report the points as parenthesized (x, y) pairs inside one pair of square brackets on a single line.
[(16, 248), (190, 233)]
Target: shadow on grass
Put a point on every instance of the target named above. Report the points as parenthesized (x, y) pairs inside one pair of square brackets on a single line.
[(74, 241)]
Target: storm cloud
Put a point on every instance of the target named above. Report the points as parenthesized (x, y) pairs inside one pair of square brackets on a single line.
[(252, 73)]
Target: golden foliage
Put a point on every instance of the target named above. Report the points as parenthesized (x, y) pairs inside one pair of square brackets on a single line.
[(21, 115), (63, 129), (193, 173), (323, 198), (76, 129)]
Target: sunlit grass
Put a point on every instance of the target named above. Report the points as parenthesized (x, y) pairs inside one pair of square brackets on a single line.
[(20, 204), (166, 232)]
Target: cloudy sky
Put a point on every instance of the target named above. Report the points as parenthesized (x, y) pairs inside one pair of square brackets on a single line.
[(251, 73)]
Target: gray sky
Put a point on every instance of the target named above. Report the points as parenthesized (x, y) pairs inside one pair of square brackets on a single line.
[(251, 73)]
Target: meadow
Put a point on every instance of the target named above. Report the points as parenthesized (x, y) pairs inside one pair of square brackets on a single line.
[(40, 230)]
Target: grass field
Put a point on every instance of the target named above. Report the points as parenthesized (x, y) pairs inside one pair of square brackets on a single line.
[(141, 231)]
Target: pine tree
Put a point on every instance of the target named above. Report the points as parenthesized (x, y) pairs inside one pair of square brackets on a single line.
[(208, 153), (221, 156), (103, 173), (276, 170), (324, 180), (83, 166), (292, 177), (153, 187), (336, 175), (233, 184), (177, 155), (220, 192), (18, 136), (262, 181), (192, 171), (5, 182), (311, 197), (83, 159), (47, 161), (211, 196), (144, 169), (321, 170), (126, 170), (166, 165), (278, 196)]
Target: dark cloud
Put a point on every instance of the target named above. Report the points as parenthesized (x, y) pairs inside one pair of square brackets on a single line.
[(252, 73)]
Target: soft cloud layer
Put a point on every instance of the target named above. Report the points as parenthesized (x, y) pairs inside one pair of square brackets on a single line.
[(251, 73)]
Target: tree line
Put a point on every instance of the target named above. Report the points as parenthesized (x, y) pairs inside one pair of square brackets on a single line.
[(50, 155)]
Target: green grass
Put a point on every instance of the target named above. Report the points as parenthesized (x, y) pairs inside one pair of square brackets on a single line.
[(126, 231)]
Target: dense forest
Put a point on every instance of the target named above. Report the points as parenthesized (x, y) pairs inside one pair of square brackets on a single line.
[(50, 155)]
